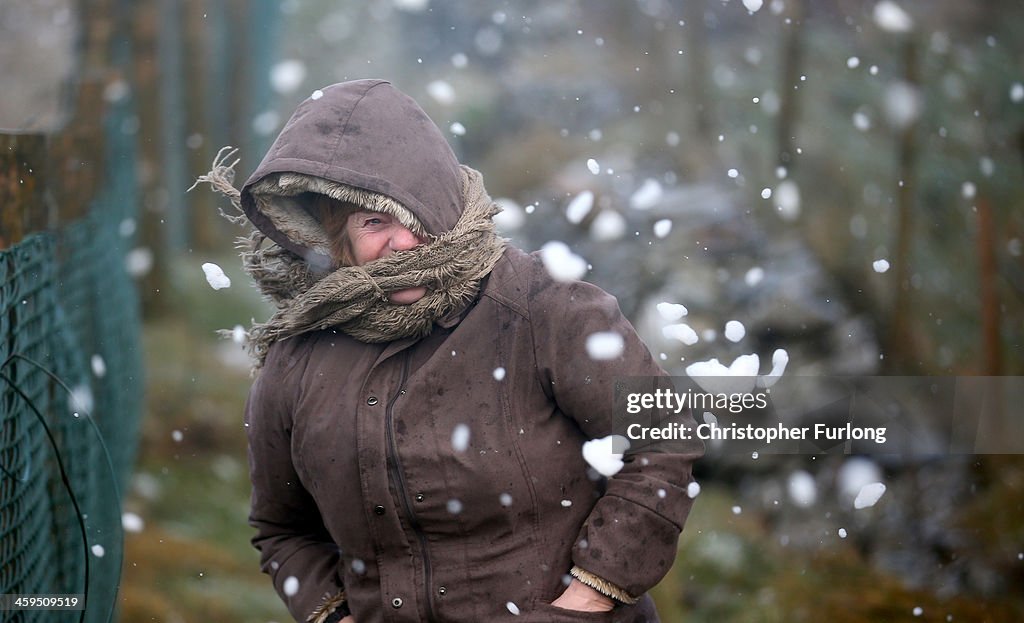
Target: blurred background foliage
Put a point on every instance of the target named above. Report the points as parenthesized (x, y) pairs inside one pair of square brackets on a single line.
[(787, 147)]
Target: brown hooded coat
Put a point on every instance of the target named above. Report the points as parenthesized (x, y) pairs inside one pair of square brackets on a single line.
[(357, 485)]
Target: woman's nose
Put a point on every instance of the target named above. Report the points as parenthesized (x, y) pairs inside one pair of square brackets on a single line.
[(402, 239)]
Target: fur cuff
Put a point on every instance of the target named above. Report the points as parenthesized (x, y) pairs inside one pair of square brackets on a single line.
[(602, 585), (330, 605)]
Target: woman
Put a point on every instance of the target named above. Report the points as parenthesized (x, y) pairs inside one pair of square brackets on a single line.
[(416, 424)]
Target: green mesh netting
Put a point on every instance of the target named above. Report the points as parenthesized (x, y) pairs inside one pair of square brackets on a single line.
[(70, 396), (70, 402)]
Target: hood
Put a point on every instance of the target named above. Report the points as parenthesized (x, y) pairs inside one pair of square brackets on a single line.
[(363, 142)]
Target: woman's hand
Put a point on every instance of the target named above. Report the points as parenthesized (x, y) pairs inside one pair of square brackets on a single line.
[(579, 596), (347, 619)]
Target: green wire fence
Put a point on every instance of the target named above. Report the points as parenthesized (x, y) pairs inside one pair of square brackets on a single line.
[(70, 402), (70, 395)]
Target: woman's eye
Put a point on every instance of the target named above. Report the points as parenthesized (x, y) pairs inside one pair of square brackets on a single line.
[(372, 221)]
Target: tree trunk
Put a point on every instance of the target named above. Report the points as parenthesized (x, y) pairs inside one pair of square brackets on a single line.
[(154, 285), (698, 83), (900, 343), (792, 56), (23, 164), (988, 271)]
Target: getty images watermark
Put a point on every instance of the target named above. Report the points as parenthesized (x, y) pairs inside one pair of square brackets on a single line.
[(904, 415)]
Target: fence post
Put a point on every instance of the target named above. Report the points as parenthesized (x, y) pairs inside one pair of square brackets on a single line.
[(23, 208)]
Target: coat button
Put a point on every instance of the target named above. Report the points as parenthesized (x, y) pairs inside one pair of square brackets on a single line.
[(442, 591), (372, 400), (419, 497), (396, 602), (378, 509)]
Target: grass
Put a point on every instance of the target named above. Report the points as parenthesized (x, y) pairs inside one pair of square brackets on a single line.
[(192, 561), (733, 568)]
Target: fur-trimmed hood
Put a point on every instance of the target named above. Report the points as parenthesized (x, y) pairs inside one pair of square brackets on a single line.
[(362, 142)]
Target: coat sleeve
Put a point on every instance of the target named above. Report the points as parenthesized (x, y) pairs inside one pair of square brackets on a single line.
[(295, 549), (630, 537)]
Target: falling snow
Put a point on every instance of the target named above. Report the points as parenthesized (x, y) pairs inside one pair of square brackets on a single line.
[(647, 196), (604, 345), (81, 400), (266, 123), (132, 522), (600, 454), (460, 438), (682, 332), (663, 228), (511, 217), (215, 276), (442, 92), (802, 489), (780, 359), (787, 199), (902, 104), (287, 75), (126, 227), (99, 367), (753, 5), (869, 495), (861, 121), (608, 225), (138, 262), (561, 263), (715, 378), (412, 6), (891, 17), (671, 311), (734, 331), (579, 207), (1017, 92)]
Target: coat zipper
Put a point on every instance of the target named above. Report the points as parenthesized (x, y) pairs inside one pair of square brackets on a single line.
[(399, 478)]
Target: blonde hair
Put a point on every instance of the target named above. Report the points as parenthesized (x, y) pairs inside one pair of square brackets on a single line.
[(333, 217)]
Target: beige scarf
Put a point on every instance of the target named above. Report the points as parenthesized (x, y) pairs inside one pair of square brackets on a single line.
[(354, 298)]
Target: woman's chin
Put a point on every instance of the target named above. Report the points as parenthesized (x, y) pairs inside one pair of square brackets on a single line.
[(407, 296)]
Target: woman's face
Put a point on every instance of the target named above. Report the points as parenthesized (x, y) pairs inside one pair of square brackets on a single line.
[(373, 235)]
